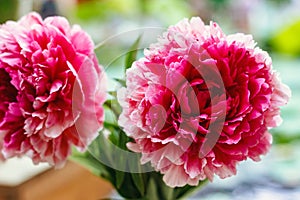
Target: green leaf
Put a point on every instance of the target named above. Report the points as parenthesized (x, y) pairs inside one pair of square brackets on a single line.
[(114, 106), (119, 178), (168, 192), (132, 54), (151, 190), (123, 140), (163, 191), (114, 137), (113, 93), (110, 126), (101, 149), (121, 143), (139, 182), (128, 189)]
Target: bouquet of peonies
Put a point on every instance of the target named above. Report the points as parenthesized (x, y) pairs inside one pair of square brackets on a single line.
[(198, 103)]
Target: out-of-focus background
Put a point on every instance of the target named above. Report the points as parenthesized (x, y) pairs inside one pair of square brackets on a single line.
[(274, 24)]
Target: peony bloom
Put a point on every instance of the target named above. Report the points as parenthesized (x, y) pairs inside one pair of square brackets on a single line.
[(200, 102), (51, 87)]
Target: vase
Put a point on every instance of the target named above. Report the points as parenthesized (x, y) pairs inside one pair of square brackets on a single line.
[(130, 179)]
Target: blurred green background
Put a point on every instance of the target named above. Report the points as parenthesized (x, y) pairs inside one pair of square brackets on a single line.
[(275, 25)]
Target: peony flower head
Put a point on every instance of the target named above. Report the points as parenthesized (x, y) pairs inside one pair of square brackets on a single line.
[(52, 89), (200, 102)]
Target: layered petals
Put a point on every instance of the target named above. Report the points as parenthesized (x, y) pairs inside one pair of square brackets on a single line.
[(200, 102), (52, 89)]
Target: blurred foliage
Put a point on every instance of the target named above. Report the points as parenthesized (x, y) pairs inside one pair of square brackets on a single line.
[(220, 3), (280, 2), (286, 41), (284, 138), (96, 9), (8, 10), (167, 11)]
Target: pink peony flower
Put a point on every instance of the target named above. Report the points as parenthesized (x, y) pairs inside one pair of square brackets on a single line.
[(52, 89), (200, 102)]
